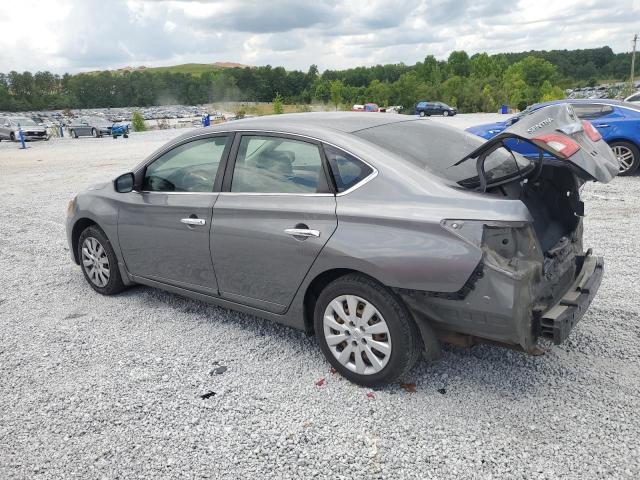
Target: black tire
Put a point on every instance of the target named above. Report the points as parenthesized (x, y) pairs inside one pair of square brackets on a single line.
[(403, 332), (422, 114), (126, 135), (12, 137), (445, 113), (94, 133), (114, 284), (635, 162), (73, 134)]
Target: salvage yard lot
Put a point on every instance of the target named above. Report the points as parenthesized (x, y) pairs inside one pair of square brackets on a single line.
[(111, 387)]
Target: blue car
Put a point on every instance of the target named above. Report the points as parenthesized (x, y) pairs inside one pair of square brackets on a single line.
[(617, 122)]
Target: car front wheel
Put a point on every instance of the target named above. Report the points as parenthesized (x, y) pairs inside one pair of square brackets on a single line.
[(99, 262), (445, 113), (422, 114), (365, 331), (628, 157)]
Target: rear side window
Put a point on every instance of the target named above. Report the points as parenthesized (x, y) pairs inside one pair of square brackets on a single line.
[(346, 169), (592, 111), (268, 164)]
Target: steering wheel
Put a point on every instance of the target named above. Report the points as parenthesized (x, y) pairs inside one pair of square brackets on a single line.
[(196, 181)]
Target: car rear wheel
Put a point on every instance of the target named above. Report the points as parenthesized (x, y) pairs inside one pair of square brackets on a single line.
[(99, 262), (73, 134), (365, 331), (12, 137), (94, 133), (628, 157)]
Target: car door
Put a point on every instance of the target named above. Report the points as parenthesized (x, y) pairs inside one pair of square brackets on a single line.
[(272, 219), (164, 227)]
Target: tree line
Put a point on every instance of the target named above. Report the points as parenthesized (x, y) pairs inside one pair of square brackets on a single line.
[(480, 82)]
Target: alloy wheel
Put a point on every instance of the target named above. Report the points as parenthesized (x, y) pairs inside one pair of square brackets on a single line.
[(357, 334), (95, 262), (624, 156)]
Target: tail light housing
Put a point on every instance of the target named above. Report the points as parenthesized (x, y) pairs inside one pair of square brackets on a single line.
[(564, 145), (590, 130)]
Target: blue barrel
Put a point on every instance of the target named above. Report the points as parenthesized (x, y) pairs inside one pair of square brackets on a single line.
[(504, 109)]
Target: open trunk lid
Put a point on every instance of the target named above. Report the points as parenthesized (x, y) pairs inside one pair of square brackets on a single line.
[(557, 131)]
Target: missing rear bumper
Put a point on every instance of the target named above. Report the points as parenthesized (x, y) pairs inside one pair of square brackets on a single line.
[(556, 323)]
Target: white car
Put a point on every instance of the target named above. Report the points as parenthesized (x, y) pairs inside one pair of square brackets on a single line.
[(634, 98)]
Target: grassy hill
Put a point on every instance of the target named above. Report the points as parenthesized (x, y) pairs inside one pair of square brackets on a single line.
[(196, 69)]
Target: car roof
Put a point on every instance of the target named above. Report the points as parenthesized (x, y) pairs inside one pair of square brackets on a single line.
[(320, 125), (588, 101)]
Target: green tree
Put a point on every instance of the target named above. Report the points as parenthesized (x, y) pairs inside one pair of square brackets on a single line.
[(458, 63), (336, 92), (278, 107), (137, 122)]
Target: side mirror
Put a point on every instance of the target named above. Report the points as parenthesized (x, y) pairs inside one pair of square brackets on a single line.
[(124, 183)]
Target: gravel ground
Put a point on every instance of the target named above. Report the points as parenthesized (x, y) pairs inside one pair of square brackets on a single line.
[(110, 387)]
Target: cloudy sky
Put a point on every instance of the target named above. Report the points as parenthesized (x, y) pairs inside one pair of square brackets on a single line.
[(79, 35)]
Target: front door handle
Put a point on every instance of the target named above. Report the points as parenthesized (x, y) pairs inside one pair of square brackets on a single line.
[(602, 125), (302, 232), (193, 221)]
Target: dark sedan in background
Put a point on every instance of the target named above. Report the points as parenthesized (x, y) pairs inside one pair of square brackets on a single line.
[(381, 235), (426, 109)]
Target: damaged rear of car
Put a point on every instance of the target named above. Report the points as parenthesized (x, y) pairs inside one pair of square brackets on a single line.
[(535, 278)]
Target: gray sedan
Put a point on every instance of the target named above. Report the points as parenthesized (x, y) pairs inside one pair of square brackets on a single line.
[(383, 235), (89, 126)]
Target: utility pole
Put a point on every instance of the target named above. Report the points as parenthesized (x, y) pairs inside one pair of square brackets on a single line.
[(633, 59)]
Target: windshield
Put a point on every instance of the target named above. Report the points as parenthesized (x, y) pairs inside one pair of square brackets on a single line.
[(437, 147), (23, 121)]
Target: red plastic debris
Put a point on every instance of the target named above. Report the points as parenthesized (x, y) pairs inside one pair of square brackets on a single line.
[(371, 395), (320, 382), (409, 387)]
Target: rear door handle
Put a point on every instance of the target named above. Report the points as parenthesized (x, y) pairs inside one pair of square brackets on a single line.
[(193, 221), (302, 232)]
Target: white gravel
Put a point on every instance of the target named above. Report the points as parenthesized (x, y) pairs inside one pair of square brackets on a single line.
[(109, 387)]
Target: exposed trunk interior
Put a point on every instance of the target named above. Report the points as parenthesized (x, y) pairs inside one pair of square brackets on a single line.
[(553, 198)]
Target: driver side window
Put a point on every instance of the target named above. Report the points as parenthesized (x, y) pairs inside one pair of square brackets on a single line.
[(191, 167)]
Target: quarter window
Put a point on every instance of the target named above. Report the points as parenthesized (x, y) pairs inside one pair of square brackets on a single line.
[(276, 165), (347, 170), (592, 111), (191, 167)]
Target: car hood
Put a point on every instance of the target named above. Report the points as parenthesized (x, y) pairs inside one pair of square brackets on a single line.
[(33, 128)]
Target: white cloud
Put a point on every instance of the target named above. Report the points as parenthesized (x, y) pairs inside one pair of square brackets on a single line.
[(78, 35)]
